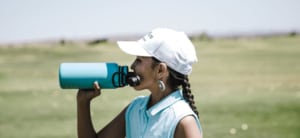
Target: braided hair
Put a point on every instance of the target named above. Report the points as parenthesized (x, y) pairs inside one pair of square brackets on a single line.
[(175, 80)]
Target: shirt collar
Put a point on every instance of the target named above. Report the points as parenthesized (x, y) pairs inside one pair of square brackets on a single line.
[(164, 103)]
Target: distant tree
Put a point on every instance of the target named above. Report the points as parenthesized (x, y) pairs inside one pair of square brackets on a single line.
[(62, 42), (204, 36), (97, 41), (293, 34)]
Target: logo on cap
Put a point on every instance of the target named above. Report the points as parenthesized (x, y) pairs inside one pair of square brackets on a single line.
[(147, 36)]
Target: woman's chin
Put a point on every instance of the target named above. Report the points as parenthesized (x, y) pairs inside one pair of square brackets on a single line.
[(138, 88)]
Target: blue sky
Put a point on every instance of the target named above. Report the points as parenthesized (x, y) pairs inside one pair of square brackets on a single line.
[(33, 20)]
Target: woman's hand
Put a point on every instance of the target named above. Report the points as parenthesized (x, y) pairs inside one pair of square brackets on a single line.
[(84, 121), (86, 95)]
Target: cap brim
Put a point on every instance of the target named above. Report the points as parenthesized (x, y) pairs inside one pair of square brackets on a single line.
[(133, 48)]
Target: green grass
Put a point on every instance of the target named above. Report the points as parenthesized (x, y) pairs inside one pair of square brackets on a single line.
[(254, 83)]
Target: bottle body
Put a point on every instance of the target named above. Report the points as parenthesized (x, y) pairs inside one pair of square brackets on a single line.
[(83, 75)]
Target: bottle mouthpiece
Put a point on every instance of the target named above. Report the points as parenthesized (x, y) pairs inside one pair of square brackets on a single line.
[(133, 79)]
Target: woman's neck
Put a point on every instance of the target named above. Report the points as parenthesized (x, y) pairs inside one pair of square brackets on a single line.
[(157, 96)]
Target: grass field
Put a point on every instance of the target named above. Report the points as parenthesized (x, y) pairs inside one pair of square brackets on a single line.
[(244, 88)]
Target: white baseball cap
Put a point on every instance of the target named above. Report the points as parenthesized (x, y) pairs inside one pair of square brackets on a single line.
[(169, 46)]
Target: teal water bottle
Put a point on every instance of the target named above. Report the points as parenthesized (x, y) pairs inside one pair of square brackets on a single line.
[(83, 75)]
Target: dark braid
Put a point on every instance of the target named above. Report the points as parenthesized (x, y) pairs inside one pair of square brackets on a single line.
[(175, 80), (187, 94)]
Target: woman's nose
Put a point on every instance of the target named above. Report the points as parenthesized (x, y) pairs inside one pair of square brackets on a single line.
[(132, 66)]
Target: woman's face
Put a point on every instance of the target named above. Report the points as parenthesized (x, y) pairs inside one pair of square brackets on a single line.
[(142, 66)]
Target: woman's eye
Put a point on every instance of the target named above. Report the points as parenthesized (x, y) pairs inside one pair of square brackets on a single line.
[(138, 61)]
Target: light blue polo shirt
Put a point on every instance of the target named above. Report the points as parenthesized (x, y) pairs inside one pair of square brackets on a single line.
[(160, 121)]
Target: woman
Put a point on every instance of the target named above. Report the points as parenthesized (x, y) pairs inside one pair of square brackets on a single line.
[(163, 61)]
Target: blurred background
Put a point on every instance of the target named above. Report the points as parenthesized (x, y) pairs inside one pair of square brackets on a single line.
[(246, 83)]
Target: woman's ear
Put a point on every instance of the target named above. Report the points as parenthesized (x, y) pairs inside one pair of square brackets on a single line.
[(162, 70)]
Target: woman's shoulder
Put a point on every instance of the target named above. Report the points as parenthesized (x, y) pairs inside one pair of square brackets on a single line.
[(182, 108)]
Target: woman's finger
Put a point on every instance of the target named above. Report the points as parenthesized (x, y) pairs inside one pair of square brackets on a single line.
[(97, 87)]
